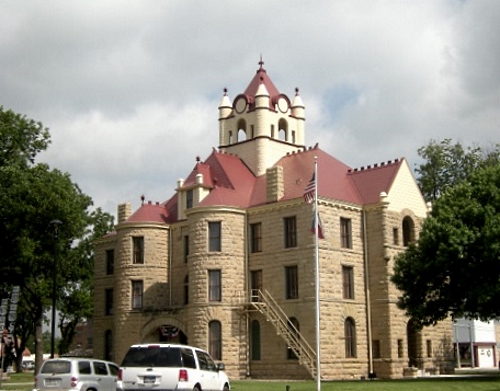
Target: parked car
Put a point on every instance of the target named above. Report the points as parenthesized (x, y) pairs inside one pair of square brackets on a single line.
[(76, 374), (170, 367), (28, 364)]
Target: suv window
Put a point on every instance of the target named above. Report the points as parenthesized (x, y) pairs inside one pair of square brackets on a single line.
[(153, 356), (206, 362), (188, 358), (113, 370), (84, 367), (56, 367), (100, 368)]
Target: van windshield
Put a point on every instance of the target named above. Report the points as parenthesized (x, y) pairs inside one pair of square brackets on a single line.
[(153, 357)]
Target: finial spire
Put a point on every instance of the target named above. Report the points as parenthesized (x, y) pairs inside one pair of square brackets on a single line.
[(261, 62)]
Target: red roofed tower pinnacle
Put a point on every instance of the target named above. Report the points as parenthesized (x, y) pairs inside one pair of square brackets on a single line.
[(261, 77)]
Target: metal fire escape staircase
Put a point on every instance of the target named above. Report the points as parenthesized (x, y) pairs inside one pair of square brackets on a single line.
[(267, 306)]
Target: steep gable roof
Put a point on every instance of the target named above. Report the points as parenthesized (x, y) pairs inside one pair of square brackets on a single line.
[(371, 181)]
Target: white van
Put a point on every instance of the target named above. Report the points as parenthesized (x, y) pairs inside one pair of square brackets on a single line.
[(170, 367)]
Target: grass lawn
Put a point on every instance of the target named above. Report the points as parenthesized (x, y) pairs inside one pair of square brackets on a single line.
[(437, 384), (24, 382)]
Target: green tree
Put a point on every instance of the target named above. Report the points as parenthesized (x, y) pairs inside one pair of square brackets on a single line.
[(32, 196), (454, 268), (20, 138), (76, 304), (446, 164)]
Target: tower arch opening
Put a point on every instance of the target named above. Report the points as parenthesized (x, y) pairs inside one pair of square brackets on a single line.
[(242, 130), (283, 129)]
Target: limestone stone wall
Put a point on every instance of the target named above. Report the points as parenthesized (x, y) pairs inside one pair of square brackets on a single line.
[(176, 289), (101, 322)]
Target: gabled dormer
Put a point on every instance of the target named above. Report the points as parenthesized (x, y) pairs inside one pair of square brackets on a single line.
[(261, 124)]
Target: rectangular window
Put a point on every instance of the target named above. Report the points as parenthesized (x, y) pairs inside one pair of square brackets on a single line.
[(345, 233), (347, 282), (110, 262), (395, 236), (214, 236), (137, 293), (292, 282), (109, 302), (400, 348), (376, 348), (214, 285), (290, 228), (189, 199), (429, 348), (256, 237), (256, 284), (138, 249), (186, 248)]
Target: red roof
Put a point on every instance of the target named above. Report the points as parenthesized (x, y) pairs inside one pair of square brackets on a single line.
[(150, 212), (371, 181), (232, 184), (261, 77)]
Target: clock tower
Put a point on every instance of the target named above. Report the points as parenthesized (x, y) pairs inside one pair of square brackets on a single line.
[(262, 124)]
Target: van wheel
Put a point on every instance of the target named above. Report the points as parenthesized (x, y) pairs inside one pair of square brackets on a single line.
[(226, 388), (196, 388)]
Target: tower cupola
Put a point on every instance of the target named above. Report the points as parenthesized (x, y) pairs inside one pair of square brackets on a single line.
[(262, 124)]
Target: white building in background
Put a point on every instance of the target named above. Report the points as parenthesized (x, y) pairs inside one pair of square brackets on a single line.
[(476, 342)]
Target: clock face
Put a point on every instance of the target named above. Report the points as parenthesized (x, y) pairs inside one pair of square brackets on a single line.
[(283, 105), (241, 105)]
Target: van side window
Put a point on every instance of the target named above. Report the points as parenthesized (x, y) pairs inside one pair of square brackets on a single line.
[(203, 361), (100, 368), (84, 367), (188, 358)]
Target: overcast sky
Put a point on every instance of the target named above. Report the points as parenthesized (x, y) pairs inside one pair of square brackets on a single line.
[(129, 89)]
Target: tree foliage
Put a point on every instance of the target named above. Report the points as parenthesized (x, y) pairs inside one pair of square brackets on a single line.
[(454, 268), (32, 196), (447, 164), (20, 138)]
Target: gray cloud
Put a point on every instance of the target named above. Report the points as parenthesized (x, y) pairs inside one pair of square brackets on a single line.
[(130, 89)]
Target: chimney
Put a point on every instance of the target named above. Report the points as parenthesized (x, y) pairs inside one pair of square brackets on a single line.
[(274, 184), (124, 212)]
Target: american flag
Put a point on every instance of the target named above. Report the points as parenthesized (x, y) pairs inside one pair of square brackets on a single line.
[(310, 190)]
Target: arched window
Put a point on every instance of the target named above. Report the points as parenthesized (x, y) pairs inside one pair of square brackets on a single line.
[(242, 130), (255, 347), (186, 290), (215, 340), (108, 345), (283, 129), (350, 338), (408, 231), (414, 340), (293, 326)]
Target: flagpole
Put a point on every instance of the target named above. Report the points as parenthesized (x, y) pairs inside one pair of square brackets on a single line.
[(316, 244)]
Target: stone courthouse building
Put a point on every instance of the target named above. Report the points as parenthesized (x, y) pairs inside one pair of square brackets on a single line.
[(227, 262)]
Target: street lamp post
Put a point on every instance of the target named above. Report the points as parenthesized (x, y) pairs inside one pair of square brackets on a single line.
[(55, 224)]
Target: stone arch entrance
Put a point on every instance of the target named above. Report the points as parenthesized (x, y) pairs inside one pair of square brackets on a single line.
[(414, 336), (165, 330)]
